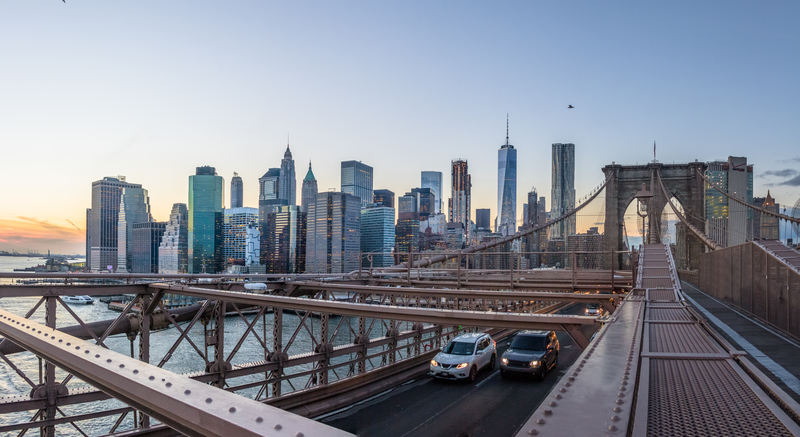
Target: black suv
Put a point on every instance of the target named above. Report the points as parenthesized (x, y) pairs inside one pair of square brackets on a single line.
[(531, 352)]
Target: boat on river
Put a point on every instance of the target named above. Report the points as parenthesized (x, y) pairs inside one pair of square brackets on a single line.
[(78, 300)]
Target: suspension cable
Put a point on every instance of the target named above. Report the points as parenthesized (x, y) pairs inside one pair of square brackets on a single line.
[(483, 246), (703, 237), (763, 211)]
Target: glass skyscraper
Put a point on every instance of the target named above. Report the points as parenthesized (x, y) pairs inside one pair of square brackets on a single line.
[(483, 218), (506, 188), (384, 197), (729, 223), (173, 253), (146, 238), (377, 235), (104, 222), (206, 201), (237, 191), (236, 222), (357, 181), (285, 243), (563, 189), (134, 207), (433, 180), (333, 233)]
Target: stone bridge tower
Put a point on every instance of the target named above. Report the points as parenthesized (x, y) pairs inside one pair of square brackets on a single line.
[(680, 180)]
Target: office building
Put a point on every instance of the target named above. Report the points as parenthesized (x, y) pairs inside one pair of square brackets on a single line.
[(437, 223), (542, 214), (433, 180), (333, 233), (206, 202), (506, 223), (765, 226), (483, 217), (285, 245), (88, 239), (563, 189), (309, 190), (146, 238), (104, 222), (461, 193), (532, 215), (408, 202), (236, 222), (173, 252), (587, 248), (456, 236), (727, 222), (377, 235), (384, 197), (406, 234), (134, 207), (287, 187), (427, 202), (357, 181), (237, 191)]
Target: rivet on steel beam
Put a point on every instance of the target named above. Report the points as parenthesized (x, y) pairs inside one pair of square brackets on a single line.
[(558, 396), (231, 409), (540, 421), (278, 427), (187, 392), (299, 434), (612, 428), (53, 337), (567, 384), (615, 418), (208, 400), (135, 371), (60, 340), (572, 378), (86, 351), (97, 355), (108, 360), (151, 377), (620, 394), (533, 432), (624, 382), (552, 403), (622, 388), (617, 410), (574, 373), (548, 412), (259, 419), (77, 348), (619, 402), (121, 366), (69, 344), (169, 384), (562, 390)]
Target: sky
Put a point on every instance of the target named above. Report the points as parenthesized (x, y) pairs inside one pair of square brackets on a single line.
[(151, 90)]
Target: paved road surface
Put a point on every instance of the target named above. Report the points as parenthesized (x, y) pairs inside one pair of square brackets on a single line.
[(492, 406)]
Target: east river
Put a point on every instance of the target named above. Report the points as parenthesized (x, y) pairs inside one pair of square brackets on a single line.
[(185, 359)]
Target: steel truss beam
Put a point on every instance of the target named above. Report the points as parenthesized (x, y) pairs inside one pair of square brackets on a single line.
[(429, 315), (188, 406)]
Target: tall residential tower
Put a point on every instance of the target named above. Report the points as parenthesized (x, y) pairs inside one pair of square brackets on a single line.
[(563, 189), (459, 203)]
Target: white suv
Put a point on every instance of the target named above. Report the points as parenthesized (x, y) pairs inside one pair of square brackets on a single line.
[(464, 356)]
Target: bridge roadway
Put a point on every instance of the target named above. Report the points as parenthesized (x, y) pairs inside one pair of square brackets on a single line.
[(658, 370), (492, 406)]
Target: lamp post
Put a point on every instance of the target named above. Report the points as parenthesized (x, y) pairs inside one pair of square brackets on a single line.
[(643, 198)]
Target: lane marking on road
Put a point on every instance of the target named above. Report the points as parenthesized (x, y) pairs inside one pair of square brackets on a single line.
[(784, 375), (496, 372)]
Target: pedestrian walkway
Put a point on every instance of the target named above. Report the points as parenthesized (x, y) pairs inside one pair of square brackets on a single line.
[(775, 354)]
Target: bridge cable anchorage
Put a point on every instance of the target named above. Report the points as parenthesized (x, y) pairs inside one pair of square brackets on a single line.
[(483, 246), (698, 233), (761, 210)]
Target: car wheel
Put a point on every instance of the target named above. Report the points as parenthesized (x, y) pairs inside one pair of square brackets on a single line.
[(555, 361), (543, 373), (492, 362), (503, 374), (473, 372)]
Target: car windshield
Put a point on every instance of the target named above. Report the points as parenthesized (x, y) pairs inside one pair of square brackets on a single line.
[(459, 348), (593, 306), (528, 342)]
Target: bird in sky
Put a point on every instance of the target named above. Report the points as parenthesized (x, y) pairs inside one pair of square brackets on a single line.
[(570, 107)]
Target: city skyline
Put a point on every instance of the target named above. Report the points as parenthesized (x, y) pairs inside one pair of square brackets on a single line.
[(706, 81)]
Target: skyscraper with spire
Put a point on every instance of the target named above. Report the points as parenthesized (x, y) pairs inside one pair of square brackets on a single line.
[(288, 182), (309, 190), (506, 188)]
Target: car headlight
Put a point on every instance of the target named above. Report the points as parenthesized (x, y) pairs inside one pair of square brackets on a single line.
[(504, 360), (534, 363), (462, 365), (434, 363)]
